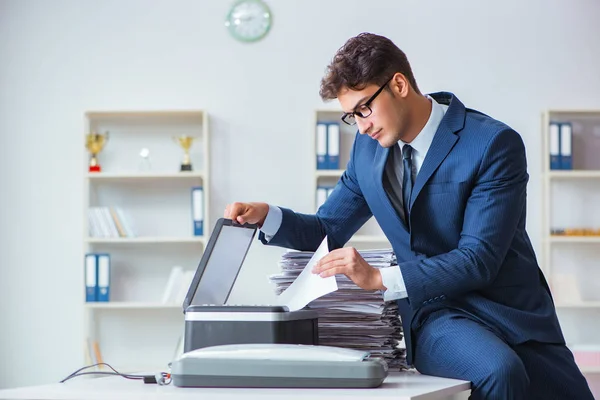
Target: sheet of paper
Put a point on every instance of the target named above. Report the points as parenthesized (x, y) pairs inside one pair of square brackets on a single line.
[(308, 286)]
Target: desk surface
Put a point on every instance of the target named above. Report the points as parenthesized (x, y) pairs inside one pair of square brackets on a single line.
[(397, 386)]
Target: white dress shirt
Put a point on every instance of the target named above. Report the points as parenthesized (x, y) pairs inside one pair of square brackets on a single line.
[(391, 277)]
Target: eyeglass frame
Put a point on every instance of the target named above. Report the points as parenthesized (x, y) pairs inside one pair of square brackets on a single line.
[(365, 104)]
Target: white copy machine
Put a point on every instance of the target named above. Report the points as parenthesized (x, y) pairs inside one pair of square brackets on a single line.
[(256, 346), (278, 365)]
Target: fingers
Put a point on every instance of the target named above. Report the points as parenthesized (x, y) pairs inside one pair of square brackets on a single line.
[(333, 271), (334, 255), (236, 211), (338, 264)]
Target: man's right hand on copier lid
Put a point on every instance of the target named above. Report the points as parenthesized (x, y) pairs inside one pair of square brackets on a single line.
[(251, 213)]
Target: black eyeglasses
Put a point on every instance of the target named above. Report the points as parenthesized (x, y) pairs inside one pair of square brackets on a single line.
[(362, 110)]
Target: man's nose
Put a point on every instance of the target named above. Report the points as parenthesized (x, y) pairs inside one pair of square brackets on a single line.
[(364, 125)]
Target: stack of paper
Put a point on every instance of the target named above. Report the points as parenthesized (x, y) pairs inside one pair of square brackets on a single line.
[(351, 317)]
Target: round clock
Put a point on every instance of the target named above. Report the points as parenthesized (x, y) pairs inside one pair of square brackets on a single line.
[(249, 20)]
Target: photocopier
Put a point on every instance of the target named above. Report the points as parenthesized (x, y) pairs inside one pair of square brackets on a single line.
[(256, 345)]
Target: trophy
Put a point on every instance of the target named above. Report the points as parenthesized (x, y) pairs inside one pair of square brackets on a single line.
[(145, 162), (95, 142), (185, 141)]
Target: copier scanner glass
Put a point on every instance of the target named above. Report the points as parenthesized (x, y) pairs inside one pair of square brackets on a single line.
[(220, 263)]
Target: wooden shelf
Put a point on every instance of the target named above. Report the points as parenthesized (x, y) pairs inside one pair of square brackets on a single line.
[(105, 176), (328, 173), (574, 174), (590, 370), (574, 239), (111, 305), (159, 198), (582, 304), (148, 239)]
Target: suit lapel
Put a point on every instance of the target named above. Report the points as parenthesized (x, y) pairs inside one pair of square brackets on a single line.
[(443, 141), (441, 145)]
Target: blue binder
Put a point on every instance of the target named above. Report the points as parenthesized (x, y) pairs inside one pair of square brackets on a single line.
[(333, 145), (103, 273), (198, 210), (554, 147), (321, 145), (91, 277), (566, 145)]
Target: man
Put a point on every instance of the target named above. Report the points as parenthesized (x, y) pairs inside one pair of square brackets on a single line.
[(447, 185)]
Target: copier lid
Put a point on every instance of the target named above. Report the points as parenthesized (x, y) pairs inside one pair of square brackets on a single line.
[(221, 263)]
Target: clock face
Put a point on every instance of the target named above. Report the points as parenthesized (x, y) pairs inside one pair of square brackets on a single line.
[(249, 20)]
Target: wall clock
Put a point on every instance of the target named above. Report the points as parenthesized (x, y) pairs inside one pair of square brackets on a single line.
[(249, 20)]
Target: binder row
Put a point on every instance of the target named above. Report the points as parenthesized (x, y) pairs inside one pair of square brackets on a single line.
[(328, 145), (561, 145), (323, 193), (112, 222), (109, 222), (97, 277)]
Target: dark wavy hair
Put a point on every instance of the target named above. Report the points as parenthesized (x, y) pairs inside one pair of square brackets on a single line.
[(364, 59)]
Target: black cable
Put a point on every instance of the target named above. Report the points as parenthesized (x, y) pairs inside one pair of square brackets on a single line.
[(145, 378), (89, 366), (101, 373)]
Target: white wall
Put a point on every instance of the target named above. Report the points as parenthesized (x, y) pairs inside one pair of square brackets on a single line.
[(511, 59)]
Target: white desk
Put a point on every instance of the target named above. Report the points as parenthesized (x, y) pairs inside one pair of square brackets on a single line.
[(397, 386)]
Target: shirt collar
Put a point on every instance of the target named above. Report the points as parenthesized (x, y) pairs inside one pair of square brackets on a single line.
[(423, 141)]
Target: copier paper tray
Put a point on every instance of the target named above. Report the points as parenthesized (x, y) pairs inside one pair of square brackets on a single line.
[(278, 365)]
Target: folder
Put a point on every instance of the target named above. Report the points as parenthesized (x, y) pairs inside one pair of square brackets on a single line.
[(321, 195), (198, 210), (90, 278), (103, 277), (321, 141), (333, 145), (555, 146), (566, 145)]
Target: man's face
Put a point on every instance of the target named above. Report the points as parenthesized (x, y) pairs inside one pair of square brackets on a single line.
[(387, 118)]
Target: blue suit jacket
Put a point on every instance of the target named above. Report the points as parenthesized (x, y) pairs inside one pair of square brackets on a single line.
[(468, 248)]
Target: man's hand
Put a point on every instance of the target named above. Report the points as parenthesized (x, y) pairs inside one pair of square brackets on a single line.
[(252, 213), (349, 262)]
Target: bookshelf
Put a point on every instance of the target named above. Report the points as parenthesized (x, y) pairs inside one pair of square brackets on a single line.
[(135, 327), (570, 255), (370, 235)]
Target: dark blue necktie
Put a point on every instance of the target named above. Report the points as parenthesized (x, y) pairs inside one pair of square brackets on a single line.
[(407, 182)]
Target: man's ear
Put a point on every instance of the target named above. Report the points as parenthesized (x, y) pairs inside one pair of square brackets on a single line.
[(400, 85)]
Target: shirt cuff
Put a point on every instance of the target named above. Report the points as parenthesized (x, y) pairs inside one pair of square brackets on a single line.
[(272, 222), (391, 277)]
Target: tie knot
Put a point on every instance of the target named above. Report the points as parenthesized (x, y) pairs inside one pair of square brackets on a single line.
[(406, 152)]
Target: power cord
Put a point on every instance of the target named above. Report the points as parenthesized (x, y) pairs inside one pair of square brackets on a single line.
[(160, 378)]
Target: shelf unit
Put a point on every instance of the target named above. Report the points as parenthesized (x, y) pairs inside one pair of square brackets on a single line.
[(135, 326), (370, 235), (571, 199)]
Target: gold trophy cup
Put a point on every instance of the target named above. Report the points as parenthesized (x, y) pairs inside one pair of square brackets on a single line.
[(185, 141), (95, 142)]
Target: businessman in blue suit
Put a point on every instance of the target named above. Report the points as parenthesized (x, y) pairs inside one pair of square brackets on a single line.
[(447, 184)]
